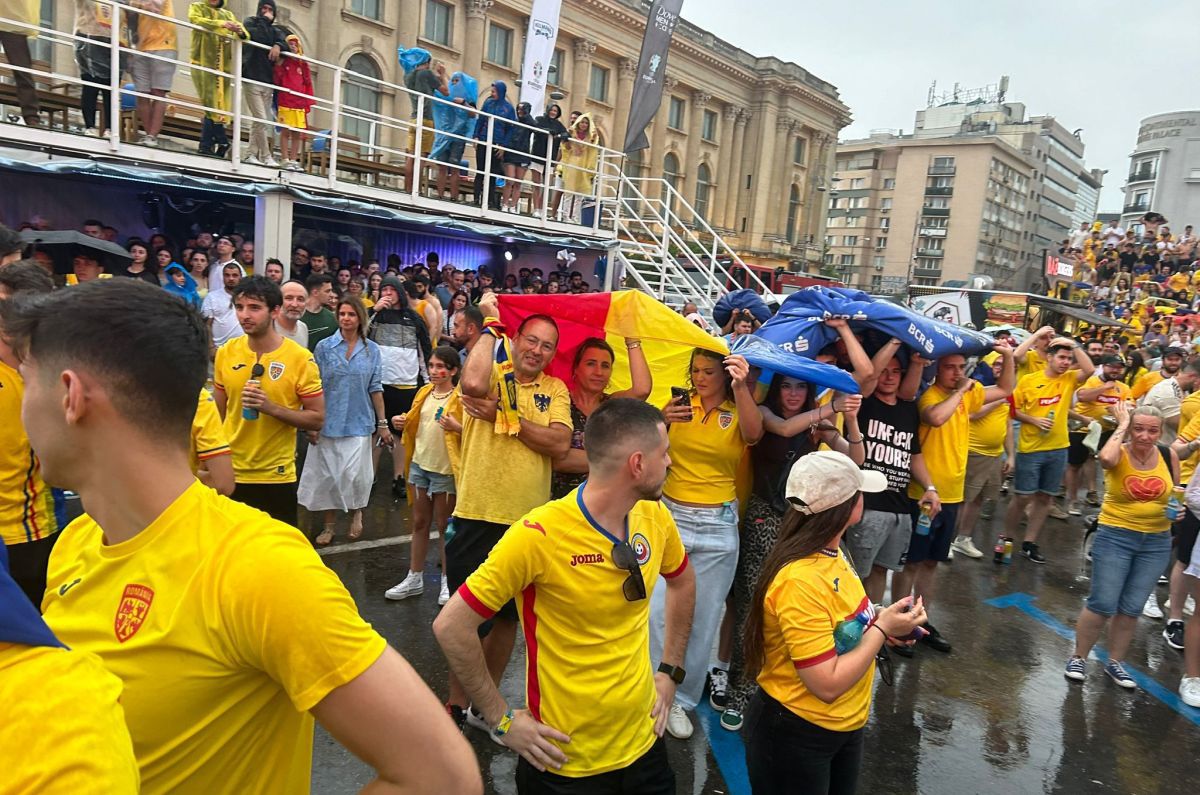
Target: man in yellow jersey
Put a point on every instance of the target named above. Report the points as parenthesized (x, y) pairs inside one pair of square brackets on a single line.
[(266, 386), (1185, 531), (212, 460), (583, 568), (989, 461), (1081, 461), (534, 429), (30, 513), (1172, 361), (1030, 355), (1041, 403), (945, 418), (227, 631)]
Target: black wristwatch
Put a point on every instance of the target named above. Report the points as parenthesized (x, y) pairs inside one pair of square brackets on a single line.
[(676, 673)]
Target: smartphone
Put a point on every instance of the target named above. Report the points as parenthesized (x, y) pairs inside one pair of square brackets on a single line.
[(682, 396)]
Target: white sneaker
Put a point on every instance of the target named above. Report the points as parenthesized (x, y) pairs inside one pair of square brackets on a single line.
[(92, 132), (412, 585), (271, 162), (966, 546), (476, 720), (1189, 690), (291, 165), (679, 725), (1151, 609), (252, 160), (1189, 607), (148, 140), (1075, 510), (444, 593)]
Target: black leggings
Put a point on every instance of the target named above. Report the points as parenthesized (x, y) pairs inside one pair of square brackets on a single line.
[(787, 755)]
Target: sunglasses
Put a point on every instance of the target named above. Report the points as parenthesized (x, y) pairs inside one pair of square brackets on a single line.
[(634, 586)]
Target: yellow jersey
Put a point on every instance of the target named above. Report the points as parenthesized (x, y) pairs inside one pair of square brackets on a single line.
[(1145, 383), (225, 628), (815, 609), (1098, 409), (588, 669), (705, 454), (264, 449), (208, 434), (1040, 395), (484, 454), (1190, 430), (63, 730), (26, 504), (1034, 362), (945, 447), (1136, 499), (986, 435)]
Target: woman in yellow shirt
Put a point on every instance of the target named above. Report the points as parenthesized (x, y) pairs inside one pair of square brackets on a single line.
[(1133, 538), (809, 637)]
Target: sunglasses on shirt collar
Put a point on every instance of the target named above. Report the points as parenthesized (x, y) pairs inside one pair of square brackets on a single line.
[(634, 586)]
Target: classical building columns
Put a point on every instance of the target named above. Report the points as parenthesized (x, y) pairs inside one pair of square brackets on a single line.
[(658, 137), (626, 72), (691, 163), (725, 185), (781, 165), (581, 73), (476, 41), (736, 171)]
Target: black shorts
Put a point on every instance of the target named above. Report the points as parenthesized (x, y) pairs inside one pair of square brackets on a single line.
[(935, 545), (27, 563), (649, 774), (1185, 531), (276, 499), (1077, 454), (397, 400), (466, 551)]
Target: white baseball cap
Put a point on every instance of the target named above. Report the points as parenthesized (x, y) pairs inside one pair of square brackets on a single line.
[(825, 479)]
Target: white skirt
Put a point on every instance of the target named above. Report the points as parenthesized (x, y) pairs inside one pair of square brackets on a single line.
[(337, 475)]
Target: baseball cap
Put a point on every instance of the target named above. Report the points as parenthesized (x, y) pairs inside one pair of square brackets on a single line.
[(1174, 350), (1112, 358), (825, 479)]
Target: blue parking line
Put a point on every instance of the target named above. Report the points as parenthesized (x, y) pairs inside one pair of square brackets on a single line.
[(1025, 603), (727, 749)]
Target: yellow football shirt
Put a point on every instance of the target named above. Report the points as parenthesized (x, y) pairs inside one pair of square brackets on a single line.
[(63, 730), (1145, 383), (26, 504), (208, 434), (264, 450), (815, 609), (945, 447), (705, 454), (1191, 430), (485, 455), (1136, 499), (986, 435), (1034, 362), (1039, 395), (1098, 409), (588, 670), (225, 628)]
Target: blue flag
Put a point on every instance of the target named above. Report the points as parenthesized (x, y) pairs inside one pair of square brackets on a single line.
[(773, 359), (19, 619), (799, 325)]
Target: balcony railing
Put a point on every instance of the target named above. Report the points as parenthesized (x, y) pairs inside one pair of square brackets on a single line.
[(931, 252), (935, 212), (933, 231), (1144, 175), (1141, 207), (931, 190), (942, 171), (928, 273)]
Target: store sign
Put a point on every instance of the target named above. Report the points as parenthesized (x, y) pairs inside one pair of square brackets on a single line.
[(1168, 128), (1059, 268)]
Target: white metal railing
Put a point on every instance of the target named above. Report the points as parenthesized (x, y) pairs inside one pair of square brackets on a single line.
[(384, 157)]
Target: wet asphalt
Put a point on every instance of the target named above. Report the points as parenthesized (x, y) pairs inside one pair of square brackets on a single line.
[(995, 715)]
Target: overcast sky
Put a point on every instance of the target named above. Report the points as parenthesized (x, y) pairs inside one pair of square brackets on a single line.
[(1099, 65)]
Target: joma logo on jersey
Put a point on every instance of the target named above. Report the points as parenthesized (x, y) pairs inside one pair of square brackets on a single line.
[(590, 557), (1049, 401), (132, 611)]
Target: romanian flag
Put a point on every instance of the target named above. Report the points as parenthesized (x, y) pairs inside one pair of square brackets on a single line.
[(667, 338)]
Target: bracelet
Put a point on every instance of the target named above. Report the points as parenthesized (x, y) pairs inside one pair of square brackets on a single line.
[(381, 424), (886, 637), (503, 726), (931, 487), (859, 440), (630, 345)]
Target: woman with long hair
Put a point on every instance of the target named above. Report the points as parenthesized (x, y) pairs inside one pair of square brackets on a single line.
[(812, 637), (579, 155), (458, 302), (710, 426), (374, 283), (1135, 369), (140, 266), (590, 377)]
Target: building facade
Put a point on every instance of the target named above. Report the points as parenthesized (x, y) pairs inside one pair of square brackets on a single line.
[(1164, 170)]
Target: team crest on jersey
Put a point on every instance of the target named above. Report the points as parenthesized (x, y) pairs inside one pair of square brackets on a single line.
[(725, 420), (542, 402), (132, 611), (275, 371), (641, 548)]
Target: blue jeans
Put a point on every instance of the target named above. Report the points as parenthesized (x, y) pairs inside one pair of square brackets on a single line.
[(1040, 471), (1125, 567), (710, 536)]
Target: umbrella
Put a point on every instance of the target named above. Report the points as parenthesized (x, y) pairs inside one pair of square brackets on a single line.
[(64, 245)]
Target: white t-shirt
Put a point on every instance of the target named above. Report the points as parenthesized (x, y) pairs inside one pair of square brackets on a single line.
[(1114, 235), (299, 336), (218, 307), (1077, 237), (215, 271), (1165, 396)]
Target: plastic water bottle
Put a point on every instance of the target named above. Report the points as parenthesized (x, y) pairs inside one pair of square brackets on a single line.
[(923, 522), (1050, 417), (998, 551)]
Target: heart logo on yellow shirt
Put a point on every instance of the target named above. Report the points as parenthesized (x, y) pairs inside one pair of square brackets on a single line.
[(1145, 489)]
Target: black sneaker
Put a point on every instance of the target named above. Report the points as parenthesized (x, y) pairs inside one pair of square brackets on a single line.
[(458, 715), (1173, 634), (1030, 550), (399, 490), (718, 689), (935, 640)]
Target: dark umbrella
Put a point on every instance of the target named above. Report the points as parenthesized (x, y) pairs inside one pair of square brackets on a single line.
[(63, 246)]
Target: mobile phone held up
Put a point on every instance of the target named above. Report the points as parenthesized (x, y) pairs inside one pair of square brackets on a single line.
[(681, 396)]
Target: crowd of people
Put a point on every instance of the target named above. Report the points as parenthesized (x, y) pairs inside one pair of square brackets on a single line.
[(625, 540)]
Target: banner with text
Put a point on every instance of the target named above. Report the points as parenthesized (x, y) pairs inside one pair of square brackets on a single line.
[(539, 53), (651, 72)]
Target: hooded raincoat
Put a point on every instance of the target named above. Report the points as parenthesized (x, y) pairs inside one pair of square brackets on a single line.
[(213, 49), (188, 292), (578, 162), (497, 107), (454, 121)]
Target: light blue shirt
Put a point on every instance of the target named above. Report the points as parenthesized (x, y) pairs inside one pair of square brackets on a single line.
[(348, 385)]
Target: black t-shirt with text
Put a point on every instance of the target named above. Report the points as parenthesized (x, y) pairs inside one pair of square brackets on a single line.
[(890, 440)]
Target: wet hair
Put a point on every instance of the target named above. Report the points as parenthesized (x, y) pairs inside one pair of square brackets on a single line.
[(259, 288), (716, 357), (472, 315), (774, 400), (148, 348), (591, 343), (617, 421), (25, 276)]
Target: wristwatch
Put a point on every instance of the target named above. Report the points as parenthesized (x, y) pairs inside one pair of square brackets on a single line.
[(676, 673)]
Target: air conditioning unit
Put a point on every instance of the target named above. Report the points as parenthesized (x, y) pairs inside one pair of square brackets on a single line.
[(878, 267), (885, 210)]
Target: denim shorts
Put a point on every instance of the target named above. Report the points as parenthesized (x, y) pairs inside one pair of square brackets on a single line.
[(1040, 471), (1125, 566), (431, 482)]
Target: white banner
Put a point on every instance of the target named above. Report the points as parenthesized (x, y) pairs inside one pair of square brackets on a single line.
[(539, 52)]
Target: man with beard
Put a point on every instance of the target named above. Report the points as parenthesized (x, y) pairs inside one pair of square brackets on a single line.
[(295, 300), (217, 308), (425, 305), (1093, 407), (273, 270), (224, 256), (258, 65), (1172, 360), (593, 688), (266, 387)]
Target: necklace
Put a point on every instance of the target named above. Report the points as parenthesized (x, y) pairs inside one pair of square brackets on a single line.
[(442, 396), (1139, 463)]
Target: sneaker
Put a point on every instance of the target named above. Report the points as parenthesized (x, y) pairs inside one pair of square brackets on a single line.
[(679, 725), (1057, 512), (1117, 673), (91, 132), (1189, 691), (399, 490), (1076, 669), (718, 689), (966, 546), (1075, 509), (1173, 635), (412, 585), (475, 720), (252, 160), (1189, 607), (271, 162), (1093, 498), (148, 140), (1030, 550), (458, 715), (935, 640), (731, 719), (291, 165), (1162, 580), (1151, 609), (444, 593)]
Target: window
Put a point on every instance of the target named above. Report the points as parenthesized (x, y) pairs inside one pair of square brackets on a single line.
[(850, 240), (881, 242), (858, 182), (943, 161), (554, 73), (703, 189), (846, 259), (854, 221), (671, 178), (633, 164), (798, 150), (885, 204), (499, 49), (878, 261), (885, 223), (708, 128), (857, 202), (362, 95), (889, 183), (598, 84), (39, 48), (675, 114), (366, 8), (439, 21), (793, 212)]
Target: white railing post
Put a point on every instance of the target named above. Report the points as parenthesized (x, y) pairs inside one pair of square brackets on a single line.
[(664, 252), (335, 128), (236, 149), (597, 189), (484, 204), (418, 170), (114, 76), (546, 180)]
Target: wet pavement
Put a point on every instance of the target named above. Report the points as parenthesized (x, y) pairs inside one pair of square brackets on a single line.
[(995, 715)]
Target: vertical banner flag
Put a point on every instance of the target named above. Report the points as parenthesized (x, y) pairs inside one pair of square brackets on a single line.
[(539, 52), (652, 68)]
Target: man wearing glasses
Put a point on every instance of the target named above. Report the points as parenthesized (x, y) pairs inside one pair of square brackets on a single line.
[(582, 569)]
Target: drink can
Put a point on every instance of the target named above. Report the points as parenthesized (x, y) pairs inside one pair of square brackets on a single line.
[(923, 523), (247, 412), (1008, 549)]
